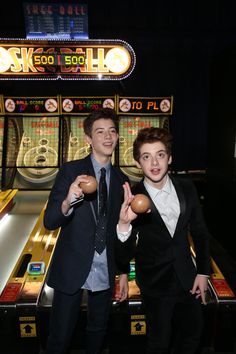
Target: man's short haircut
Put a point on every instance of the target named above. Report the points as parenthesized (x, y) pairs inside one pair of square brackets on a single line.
[(103, 113)]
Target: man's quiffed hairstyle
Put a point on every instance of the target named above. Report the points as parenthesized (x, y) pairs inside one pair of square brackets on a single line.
[(103, 113), (152, 135)]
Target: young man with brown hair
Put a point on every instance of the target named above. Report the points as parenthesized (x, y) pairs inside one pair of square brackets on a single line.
[(80, 262), (172, 285)]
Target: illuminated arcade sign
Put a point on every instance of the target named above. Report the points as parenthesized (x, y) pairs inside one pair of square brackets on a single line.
[(66, 60)]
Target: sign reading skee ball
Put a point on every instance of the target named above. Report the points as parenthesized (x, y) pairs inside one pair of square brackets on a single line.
[(90, 59), (136, 113)]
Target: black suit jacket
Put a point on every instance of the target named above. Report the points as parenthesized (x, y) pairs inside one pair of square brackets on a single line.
[(74, 250), (159, 258)]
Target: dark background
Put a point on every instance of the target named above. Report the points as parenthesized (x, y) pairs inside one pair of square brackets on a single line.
[(184, 48)]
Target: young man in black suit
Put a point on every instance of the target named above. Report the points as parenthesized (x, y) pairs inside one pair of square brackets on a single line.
[(171, 284), (76, 264)]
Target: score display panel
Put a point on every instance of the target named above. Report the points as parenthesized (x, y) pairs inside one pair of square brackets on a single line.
[(55, 59)]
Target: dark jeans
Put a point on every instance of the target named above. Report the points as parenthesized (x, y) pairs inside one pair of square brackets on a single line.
[(64, 316), (174, 324)]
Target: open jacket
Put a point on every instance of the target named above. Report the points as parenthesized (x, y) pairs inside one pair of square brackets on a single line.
[(74, 251), (159, 256)]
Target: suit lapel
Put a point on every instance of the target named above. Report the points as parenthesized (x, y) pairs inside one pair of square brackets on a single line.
[(182, 202), (156, 215), (113, 190), (88, 170)]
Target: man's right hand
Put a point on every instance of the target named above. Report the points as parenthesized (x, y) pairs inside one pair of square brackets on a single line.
[(74, 193), (126, 213)]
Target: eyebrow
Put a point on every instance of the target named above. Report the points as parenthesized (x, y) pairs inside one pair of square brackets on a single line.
[(98, 128), (162, 150)]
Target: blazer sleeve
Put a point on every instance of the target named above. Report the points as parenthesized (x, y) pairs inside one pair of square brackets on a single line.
[(53, 216), (199, 233), (123, 250), (123, 255)]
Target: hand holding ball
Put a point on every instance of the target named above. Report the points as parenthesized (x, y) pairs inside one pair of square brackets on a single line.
[(140, 204), (90, 186)]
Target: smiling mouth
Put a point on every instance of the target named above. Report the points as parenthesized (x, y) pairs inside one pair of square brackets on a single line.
[(155, 171), (108, 144)]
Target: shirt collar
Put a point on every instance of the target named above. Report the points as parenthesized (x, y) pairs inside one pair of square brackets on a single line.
[(154, 191), (97, 166)]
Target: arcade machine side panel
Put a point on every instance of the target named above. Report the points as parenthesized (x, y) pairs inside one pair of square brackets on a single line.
[(136, 113), (33, 140), (220, 312), (222, 284), (18, 300), (1, 138), (12, 137)]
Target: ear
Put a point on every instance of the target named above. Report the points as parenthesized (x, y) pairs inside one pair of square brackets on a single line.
[(88, 139), (170, 160), (137, 164)]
